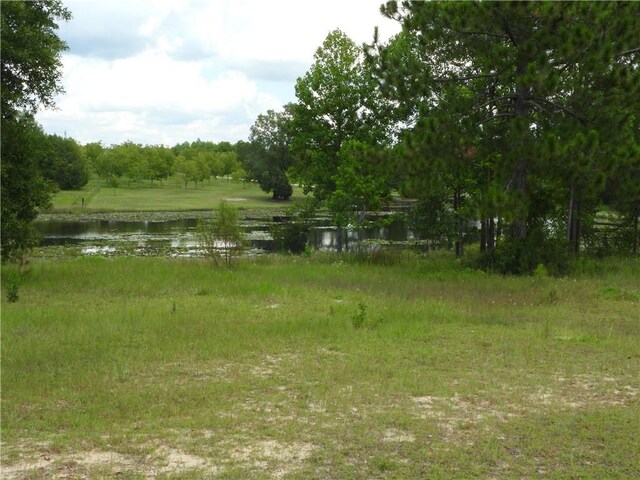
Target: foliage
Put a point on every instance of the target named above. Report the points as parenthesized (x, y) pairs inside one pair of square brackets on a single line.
[(267, 156), (338, 101), (358, 187), (31, 72), (522, 110), (222, 238), (24, 189), (12, 284), (64, 162), (526, 256), (432, 219), (31, 66), (292, 234)]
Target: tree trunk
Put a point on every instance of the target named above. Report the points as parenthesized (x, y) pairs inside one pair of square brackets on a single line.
[(457, 200), (519, 183), (339, 239), (573, 222), (491, 232), (636, 214)]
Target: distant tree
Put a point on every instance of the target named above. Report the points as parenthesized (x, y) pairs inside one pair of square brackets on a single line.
[(187, 170), (91, 152), (160, 162), (64, 163), (229, 162), (216, 167), (268, 155), (109, 165), (31, 71)]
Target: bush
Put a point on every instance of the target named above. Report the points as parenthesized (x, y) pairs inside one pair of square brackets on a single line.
[(524, 257), (12, 286), (222, 239), (291, 236)]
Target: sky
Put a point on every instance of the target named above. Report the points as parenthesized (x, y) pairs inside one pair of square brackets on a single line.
[(162, 72)]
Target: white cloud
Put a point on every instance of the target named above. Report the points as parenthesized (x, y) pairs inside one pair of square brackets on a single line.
[(160, 71)]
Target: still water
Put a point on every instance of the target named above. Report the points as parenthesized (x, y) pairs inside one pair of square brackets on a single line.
[(178, 237)]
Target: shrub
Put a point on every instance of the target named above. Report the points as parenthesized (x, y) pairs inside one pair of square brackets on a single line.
[(524, 257), (291, 236), (222, 239), (12, 286)]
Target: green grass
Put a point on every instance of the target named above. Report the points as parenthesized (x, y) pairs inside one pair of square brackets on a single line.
[(170, 196), (319, 367)]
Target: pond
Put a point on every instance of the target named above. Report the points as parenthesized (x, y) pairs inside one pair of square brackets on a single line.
[(100, 235)]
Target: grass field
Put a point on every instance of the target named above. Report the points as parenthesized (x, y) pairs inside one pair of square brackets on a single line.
[(171, 196), (319, 367)]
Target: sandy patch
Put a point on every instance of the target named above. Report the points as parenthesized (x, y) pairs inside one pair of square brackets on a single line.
[(397, 436), (179, 462), (458, 416), (282, 458), (68, 466)]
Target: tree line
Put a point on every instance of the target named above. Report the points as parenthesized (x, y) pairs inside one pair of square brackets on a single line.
[(512, 125), (193, 162)]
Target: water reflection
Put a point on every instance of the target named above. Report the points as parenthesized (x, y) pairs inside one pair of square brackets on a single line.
[(109, 237)]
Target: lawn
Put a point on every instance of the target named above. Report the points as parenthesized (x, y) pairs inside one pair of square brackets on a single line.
[(319, 367), (170, 196)]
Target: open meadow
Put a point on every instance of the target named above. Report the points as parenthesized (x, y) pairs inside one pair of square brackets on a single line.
[(170, 196), (319, 367)]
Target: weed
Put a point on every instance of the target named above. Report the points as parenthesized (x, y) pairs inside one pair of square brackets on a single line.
[(615, 293), (12, 286), (359, 318)]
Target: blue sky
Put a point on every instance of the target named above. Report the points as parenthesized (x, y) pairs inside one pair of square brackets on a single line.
[(167, 71)]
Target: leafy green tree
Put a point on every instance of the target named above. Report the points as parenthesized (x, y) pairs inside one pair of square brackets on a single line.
[(109, 165), (229, 161), (31, 48), (24, 189), (268, 155), (187, 169), (338, 101), (359, 188), (64, 162), (439, 158), (31, 71), (91, 152), (160, 162), (222, 238)]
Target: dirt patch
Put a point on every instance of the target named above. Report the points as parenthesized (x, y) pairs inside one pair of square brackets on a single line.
[(458, 416), (235, 199), (397, 436), (281, 458), (75, 465), (177, 461)]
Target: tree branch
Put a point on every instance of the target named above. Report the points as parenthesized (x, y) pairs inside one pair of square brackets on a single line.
[(488, 34), (496, 116), (564, 109), (628, 52), (462, 79), (495, 101)]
